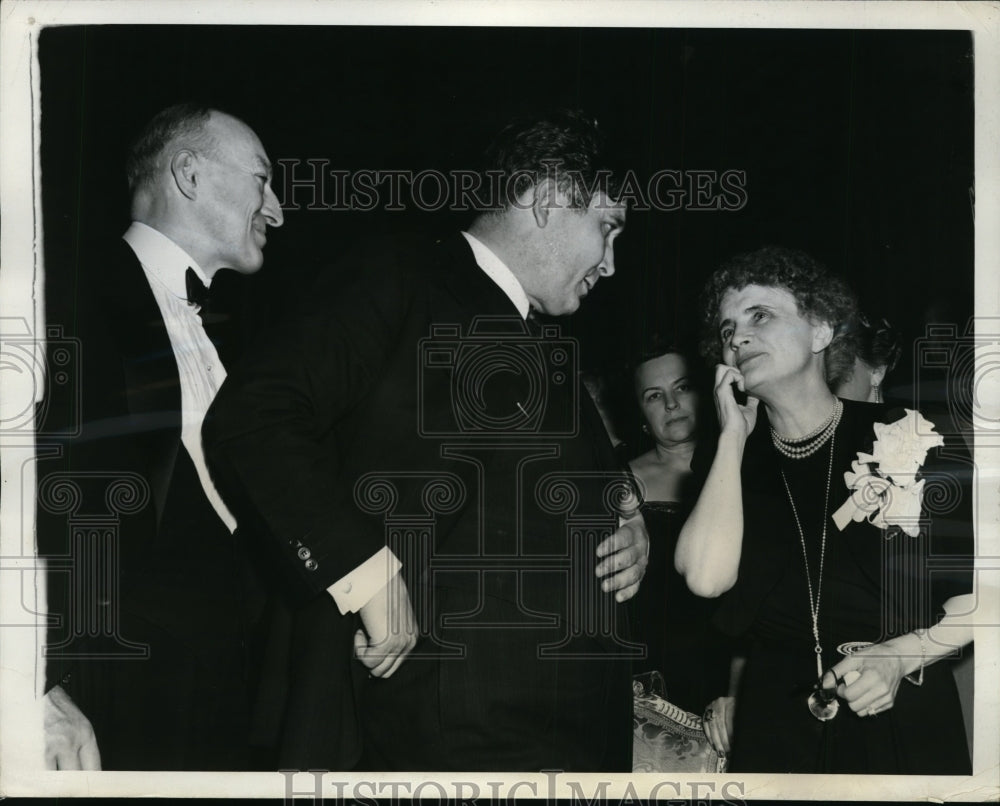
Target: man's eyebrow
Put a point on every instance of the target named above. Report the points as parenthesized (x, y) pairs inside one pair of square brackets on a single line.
[(618, 218), (263, 163)]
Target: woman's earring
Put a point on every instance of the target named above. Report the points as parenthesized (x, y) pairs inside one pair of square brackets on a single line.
[(877, 392)]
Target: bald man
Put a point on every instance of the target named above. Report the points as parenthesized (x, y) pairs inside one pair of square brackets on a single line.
[(147, 667)]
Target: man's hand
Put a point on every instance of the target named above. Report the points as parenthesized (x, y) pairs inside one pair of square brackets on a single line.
[(70, 743), (391, 629), (625, 556)]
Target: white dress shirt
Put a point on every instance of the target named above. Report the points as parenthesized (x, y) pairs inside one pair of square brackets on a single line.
[(498, 272), (198, 365), (354, 590)]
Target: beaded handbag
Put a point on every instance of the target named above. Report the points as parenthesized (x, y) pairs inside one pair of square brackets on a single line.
[(666, 738)]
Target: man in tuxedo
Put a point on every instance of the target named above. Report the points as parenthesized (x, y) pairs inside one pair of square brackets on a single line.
[(146, 665), (404, 452)]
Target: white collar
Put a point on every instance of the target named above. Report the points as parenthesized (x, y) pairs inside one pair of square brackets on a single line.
[(162, 259), (497, 271)]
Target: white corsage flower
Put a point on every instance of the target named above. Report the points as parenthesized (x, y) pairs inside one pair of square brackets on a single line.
[(884, 486)]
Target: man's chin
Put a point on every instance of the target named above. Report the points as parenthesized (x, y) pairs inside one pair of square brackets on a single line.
[(249, 266)]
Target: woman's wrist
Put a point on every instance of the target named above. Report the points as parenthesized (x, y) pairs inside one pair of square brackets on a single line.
[(911, 652), (732, 441), (917, 678)]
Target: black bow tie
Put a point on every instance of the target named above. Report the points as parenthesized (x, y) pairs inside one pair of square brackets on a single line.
[(197, 294)]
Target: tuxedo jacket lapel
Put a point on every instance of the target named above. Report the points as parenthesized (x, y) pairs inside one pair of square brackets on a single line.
[(152, 382)]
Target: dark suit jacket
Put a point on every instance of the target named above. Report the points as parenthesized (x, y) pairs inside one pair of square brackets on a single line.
[(382, 416), (144, 573)]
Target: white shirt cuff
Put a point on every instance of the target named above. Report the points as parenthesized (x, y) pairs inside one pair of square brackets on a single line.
[(354, 590)]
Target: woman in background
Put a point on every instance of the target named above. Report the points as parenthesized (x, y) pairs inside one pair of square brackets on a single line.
[(878, 351), (672, 622)]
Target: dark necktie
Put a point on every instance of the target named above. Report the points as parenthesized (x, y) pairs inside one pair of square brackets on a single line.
[(197, 293), (534, 326)]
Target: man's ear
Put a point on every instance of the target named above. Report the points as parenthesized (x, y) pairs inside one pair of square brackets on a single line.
[(546, 196), (822, 336), (183, 168)]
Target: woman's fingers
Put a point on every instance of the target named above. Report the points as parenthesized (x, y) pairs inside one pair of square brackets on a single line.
[(867, 681), (879, 706), (708, 725), (843, 674), (725, 377), (717, 722), (733, 415)]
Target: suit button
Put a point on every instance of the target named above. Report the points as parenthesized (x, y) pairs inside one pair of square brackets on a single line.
[(312, 565), (304, 553)]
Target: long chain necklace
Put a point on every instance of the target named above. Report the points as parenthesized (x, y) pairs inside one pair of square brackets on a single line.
[(821, 707), (808, 445)]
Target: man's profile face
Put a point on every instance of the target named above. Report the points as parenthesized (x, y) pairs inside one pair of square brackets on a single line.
[(577, 249), (237, 199)]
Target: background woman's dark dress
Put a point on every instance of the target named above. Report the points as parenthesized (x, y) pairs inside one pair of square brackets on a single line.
[(675, 624), (923, 733)]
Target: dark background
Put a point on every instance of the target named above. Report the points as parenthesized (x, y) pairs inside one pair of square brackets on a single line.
[(857, 147)]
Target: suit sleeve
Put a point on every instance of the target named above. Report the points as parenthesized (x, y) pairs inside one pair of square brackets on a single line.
[(270, 434)]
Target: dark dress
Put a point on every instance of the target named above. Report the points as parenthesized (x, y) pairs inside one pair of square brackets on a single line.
[(673, 623), (876, 584)]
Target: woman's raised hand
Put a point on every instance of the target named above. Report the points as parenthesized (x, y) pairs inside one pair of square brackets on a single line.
[(733, 418)]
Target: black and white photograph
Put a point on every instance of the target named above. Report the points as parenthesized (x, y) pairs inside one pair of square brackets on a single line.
[(474, 401)]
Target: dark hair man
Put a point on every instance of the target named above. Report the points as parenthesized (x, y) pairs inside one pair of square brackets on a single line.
[(397, 448)]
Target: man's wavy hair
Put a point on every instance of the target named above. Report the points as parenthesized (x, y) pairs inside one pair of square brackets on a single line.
[(819, 296), (565, 144)]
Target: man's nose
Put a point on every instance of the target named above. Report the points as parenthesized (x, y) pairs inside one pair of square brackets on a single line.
[(271, 209), (607, 265)]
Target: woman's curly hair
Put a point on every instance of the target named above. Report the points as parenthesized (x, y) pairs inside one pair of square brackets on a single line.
[(819, 296)]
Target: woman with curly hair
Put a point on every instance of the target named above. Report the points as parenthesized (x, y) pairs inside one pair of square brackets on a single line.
[(815, 523)]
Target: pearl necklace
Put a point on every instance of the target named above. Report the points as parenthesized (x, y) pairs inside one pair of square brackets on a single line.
[(808, 445)]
